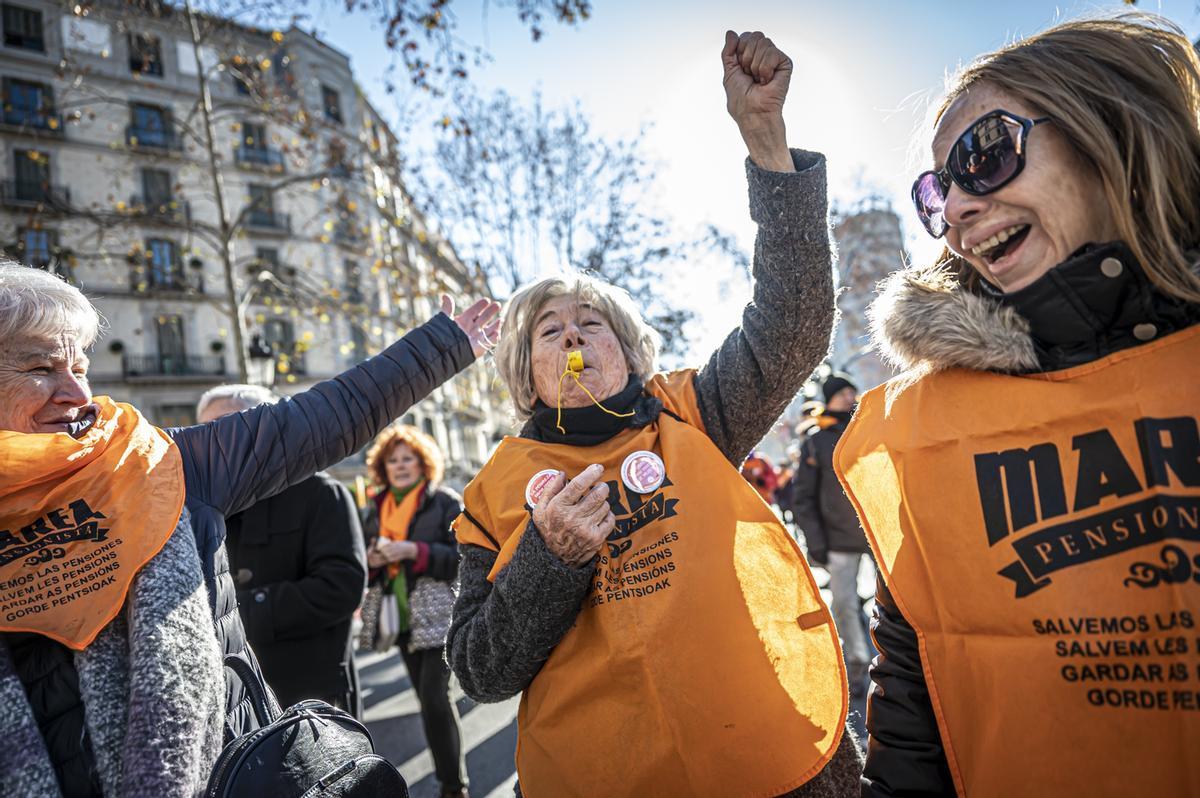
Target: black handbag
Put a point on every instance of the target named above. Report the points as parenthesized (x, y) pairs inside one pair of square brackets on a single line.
[(310, 750)]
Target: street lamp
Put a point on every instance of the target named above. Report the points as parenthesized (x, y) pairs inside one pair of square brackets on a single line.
[(262, 361)]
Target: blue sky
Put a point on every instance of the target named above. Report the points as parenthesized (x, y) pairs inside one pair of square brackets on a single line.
[(865, 71)]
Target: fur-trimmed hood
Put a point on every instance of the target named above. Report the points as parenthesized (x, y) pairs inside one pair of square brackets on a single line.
[(1096, 302)]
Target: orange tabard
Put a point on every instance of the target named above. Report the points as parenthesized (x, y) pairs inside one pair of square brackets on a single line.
[(1042, 535), (703, 661), (79, 518)]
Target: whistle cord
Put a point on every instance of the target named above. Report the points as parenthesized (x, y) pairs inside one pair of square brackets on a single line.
[(569, 371)]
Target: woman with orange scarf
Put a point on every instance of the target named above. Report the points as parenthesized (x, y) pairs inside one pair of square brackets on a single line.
[(414, 558), (116, 602)]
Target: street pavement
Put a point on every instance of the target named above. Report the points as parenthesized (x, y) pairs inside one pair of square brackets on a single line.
[(489, 730)]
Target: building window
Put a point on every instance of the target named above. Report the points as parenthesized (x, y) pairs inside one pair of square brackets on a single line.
[(267, 259), (35, 246), (353, 281), (156, 189), (332, 103), (246, 75), (262, 207), (145, 54), (28, 104), (281, 336), (358, 340), (151, 126), (165, 268), (32, 172), (23, 28), (254, 136), (175, 415)]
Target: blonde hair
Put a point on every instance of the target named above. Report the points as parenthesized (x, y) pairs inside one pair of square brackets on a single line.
[(1125, 92), (433, 464), (639, 341)]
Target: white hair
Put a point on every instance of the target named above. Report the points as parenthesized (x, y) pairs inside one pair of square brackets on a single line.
[(39, 304), (513, 356), (244, 396)]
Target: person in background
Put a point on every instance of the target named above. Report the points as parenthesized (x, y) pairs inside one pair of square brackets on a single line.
[(759, 471), (413, 554), (834, 538), (298, 563)]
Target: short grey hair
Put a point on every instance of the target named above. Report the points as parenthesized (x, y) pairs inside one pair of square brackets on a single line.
[(244, 396), (39, 304), (639, 341)]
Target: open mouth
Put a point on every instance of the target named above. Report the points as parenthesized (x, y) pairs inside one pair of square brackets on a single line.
[(1001, 244)]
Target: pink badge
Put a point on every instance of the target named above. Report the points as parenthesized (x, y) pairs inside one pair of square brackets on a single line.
[(533, 490), (643, 472)]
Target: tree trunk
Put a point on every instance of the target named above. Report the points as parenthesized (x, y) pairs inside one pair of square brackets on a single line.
[(226, 229)]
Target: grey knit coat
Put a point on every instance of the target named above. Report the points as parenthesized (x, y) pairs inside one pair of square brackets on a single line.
[(503, 632)]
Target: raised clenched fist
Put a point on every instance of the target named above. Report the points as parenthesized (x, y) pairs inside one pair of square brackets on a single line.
[(757, 76)]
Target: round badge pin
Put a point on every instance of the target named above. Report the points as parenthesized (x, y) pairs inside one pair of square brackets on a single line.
[(538, 483), (643, 472)]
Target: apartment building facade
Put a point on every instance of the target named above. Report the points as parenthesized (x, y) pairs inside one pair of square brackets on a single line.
[(109, 175)]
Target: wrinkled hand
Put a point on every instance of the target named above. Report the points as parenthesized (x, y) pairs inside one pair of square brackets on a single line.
[(574, 517), (757, 76), (375, 559), (480, 322)]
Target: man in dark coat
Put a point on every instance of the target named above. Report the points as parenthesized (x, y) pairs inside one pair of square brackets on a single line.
[(298, 562), (831, 530)]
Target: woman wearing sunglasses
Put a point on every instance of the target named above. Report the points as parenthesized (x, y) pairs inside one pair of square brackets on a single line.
[(1031, 484)]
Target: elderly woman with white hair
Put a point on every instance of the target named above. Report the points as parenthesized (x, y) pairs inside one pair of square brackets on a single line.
[(662, 628), (116, 602)]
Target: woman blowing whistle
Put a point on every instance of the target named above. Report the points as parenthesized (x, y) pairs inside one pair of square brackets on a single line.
[(661, 627)]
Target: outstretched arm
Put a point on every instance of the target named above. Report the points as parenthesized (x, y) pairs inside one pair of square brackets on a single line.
[(784, 334), (236, 460)]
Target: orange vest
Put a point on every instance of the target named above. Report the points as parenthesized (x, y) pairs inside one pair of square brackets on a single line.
[(1041, 533), (703, 661), (79, 518)]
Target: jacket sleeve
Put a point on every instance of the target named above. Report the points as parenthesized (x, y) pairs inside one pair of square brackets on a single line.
[(753, 376), (502, 632), (806, 498), (442, 561), (335, 572), (905, 756), (234, 461)]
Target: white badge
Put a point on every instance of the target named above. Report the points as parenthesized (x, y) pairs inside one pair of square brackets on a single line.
[(643, 472), (538, 483)]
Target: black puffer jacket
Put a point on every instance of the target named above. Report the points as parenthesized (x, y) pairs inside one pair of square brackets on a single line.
[(1076, 313), (819, 505), (230, 464), (299, 564)]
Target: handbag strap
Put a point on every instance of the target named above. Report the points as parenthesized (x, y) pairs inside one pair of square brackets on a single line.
[(262, 700)]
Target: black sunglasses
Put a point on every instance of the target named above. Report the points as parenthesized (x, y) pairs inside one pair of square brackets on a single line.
[(985, 158)]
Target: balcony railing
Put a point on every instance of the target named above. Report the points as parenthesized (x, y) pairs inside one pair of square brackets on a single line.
[(348, 235), (259, 156), (148, 280), (30, 118), (153, 138), (173, 365), (272, 221), (28, 193), (168, 211)]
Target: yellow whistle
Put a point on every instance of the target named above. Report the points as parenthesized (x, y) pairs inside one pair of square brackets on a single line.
[(575, 361)]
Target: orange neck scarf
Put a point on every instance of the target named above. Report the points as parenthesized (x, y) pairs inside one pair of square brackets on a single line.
[(396, 517), (79, 518)]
